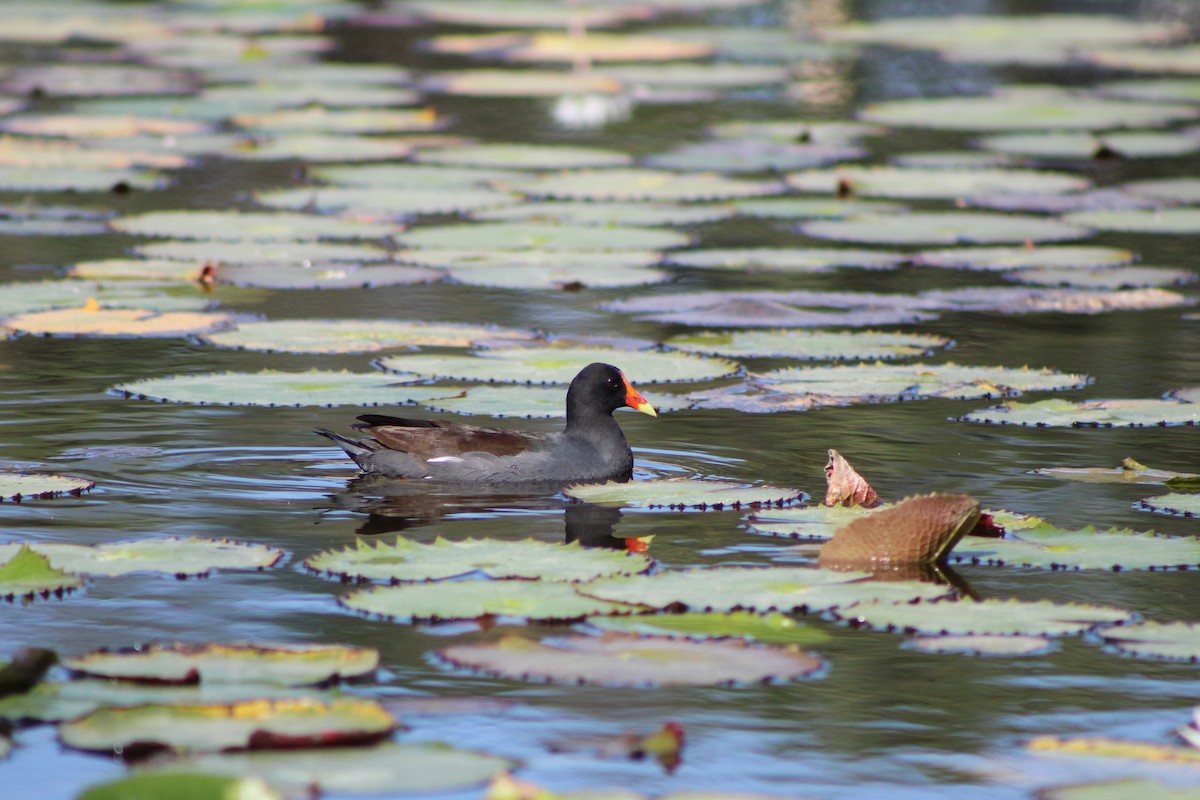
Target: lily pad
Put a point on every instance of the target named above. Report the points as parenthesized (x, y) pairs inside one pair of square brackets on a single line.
[(799, 309), (192, 786), (290, 665), (274, 389), (1186, 90), (535, 601), (681, 493), (595, 263), (325, 276), (615, 660), (239, 726), (1156, 220), (992, 617), (772, 628), (544, 276), (74, 179), (750, 155), (1103, 278), (415, 176), (1133, 413), (318, 147), (92, 320), (21, 486), (358, 336), (910, 182), (784, 259), (94, 80), (524, 156), (814, 522), (1067, 301), (385, 203), (1050, 547), (1119, 144), (1185, 191), (568, 47), (173, 556), (250, 252), (1127, 789), (797, 130), (138, 269), (1006, 258), (983, 645), (810, 345), (644, 184), (945, 228), (878, 382), (57, 154), (810, 208), (523, 236), (1185, 505), (529, 402), (559, 365), (526, 13), (709, 77), (528, 559), (25, 573), (610, 213), (1130, 471), (248, 226), (1179, 641), (31, 296), (317, 119), (523, 83), (1183, 60), (1033, 110)]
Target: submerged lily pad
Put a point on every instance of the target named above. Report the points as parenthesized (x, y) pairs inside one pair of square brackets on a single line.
[(1006, 258), (173, 556), (1051, 547), (249, 725), (876, 382), (810, 345), (784, 259), (21, 486), (945, 228), (273, 388), (248, 225), (616, 660), (358, 336), (535, 601), (681, 493), (644, 184), (559, 365), (522, 236), (290, 665), (993, 617), (1185, 505), (1133, 413), (772, 628), (529, 559), (1171, 640), (92, 320), (910, 182), (1017, 110), (24, 573)]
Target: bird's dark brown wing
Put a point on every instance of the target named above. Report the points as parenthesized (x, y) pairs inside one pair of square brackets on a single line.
[(426, 438)]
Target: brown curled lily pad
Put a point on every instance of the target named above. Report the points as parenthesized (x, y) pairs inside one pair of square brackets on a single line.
[(616, 660), (916, 530)]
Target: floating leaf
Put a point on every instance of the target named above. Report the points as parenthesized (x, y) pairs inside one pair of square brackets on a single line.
[(1114, 748), (1157, 220), (1051, 547), (94, 80), (908, 182), (772, 628), (525, 14), (1032, 110), (517, 401), (1120, 144), (249, 725), (1185, 90), (568, 47), (750, 155), (796, 130), (1128, 789), (805, 522), (705, 76), (643, 184), (559, 365), (97, 321), (1103, 278), (317, 119), (528, 559), (681, 493), (328, 276), (251, 252), (1187, 505), (1068, 301), (984, 645), (138, 269), (190, 785), (74, 179), (24, 573), (808, 208), (20, 486), (616, 660), (248, 226), (1006, 258), (385, 203), (545, 276), (411, 176), (523, 83), (1134, 413), (358, 336), (946, 228), (521, 236), (611, 213), (781, 259), (844, 486), (1170, 190), (174, 556), (809, 345), (993, 617), (1171, 640), (1130, 471), (1184, 59), (319, 147), (774, 309), (273, 388), (878, 382), (524, 156), (290, 665), (535, 601)]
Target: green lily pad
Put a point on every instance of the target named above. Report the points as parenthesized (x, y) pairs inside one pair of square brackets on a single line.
[(1006, 258), (317, 119), (750, 155), (529, 559), (173, 556), (325, 276), (268, 95), (148, 295), (35, 226), (1179, 641), (544, 276), (708, 76), (191, 786), (1156, 220), (798, 309), (910, 182), (876, 382), (248, 225), (1125, 144), (983, 645), (1127, 789), (954, 160), (809, 208), (385, 203), (93, 320), (1103, 278), (1184, 191), (559, 365), (523, 83), (1186, 90), (24, 573), (772, 628), (523, 236), (443, 601), (757, 43), (417, 768), (290, 665), (813, 522), (74, 179), (1184, 59), (251, 252), (993, 617), (616, 660), (609, 214), (94, 80), (529, 402), (1050, 547), (681, 493), (318, 147), (1024, 110), (1133, 413), (1185, 505), (593, 264), (524, 156), (358, 336), (643, 184), (56, 154), (810, 345), (796, 130), (415, 176), (784, 259), (945, 228), (274, 389), (1068, 301), (20, 486), (238, 726), (138, 269), (787, 589)]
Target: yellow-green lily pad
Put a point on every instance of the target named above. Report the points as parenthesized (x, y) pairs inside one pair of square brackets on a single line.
[(913, 183), (25, 573), (358, 336), (272, 388), (190, 785), (681, 493), (533, 236), (1021, 110), (1006, 258), (1178, 641), (248, 226), (947, 228), (174, 556), (644, 184), (1156, 220), (22, 486), (1183, 505), (1132, 413)]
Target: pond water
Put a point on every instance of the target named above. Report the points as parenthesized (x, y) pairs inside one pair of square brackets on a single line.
[(882, 717)]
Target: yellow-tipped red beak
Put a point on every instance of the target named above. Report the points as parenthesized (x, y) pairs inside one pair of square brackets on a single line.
[(634, 399)]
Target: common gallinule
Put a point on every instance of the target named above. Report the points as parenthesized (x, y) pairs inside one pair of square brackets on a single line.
[(591, 448)]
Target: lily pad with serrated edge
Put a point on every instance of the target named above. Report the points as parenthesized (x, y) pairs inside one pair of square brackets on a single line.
[(386, 768), (811, 522), (772, 628), (784, 259), (317, 119), (1103, 278), (750, 155), (24, 573), (681, 493), (251, 252), (20, 486), (443, 601), (911, 182), (74, 179), (1006, 258), (359, 336), (524, 156), (1050, 547), (810, 345), (609, 213), (1025, 300), (945, 228), (560, 365), (248, 226), (644, 184), (528, 235), (252, 724), (1056, 413), (994, 617), (874, 382), (593, 261), (1184, 505), (1156, 220), (617, 660), (529, 402), (523, 83), (1023, 111), (810, 208), (325, 276), (759, 589), (529, 559), (173, 556), (273, 388), (180, 663), (190, 785), (1123, 144), (97, 321), (1179, 641), (385, 203), (983, 645)]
